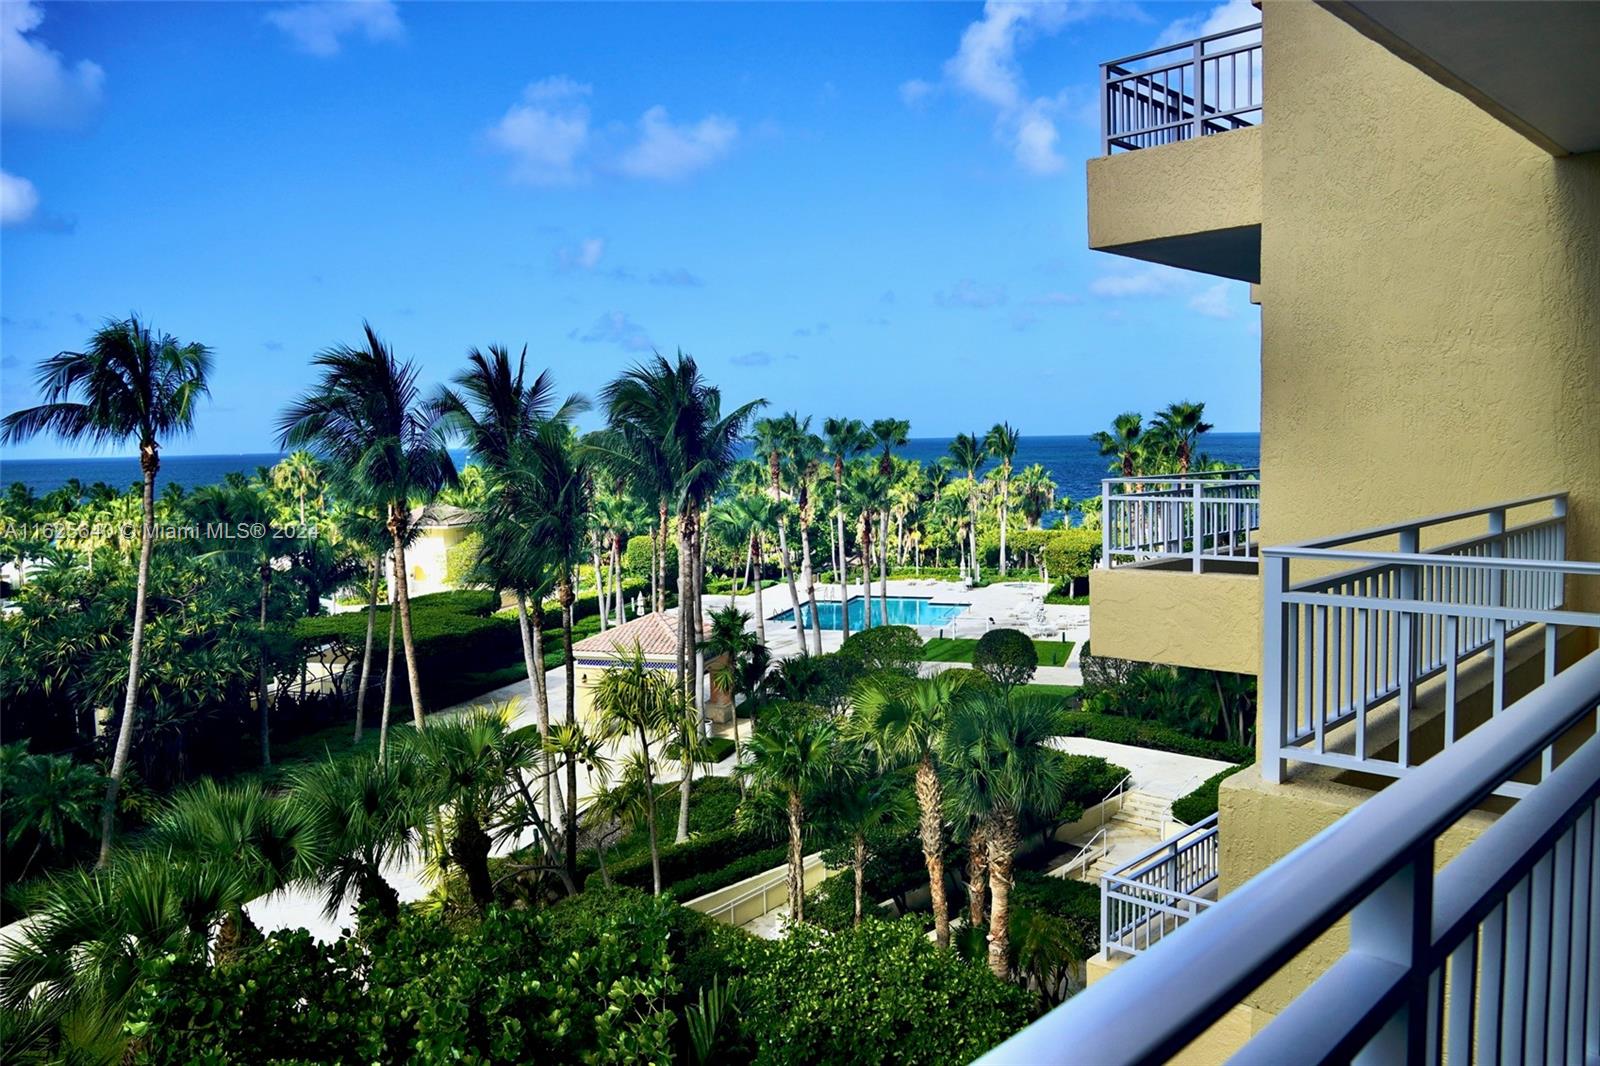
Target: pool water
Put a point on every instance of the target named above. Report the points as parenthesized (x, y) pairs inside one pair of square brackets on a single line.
[(903, 611)]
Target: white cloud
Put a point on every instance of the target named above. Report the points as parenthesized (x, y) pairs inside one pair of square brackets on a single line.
[(545, 133), (1229, 15), (678, 276), (615, 327), (666, 150), (757, 358), (18, 199), (37, 86), (1214, 301), (915, 91), (586, 256), (968, 293), (318, 28), (1055, 299), (1146, 281)]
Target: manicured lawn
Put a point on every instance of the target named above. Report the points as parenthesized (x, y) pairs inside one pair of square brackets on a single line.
[(1065, 692), (956, 650)]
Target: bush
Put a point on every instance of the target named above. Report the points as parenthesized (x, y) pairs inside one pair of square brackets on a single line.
[(891, 649), (1007, 656), (1103, 671), (1115, 729), (881, 993), (1089, 778), (1077, 902), (739, 869), (708, 852), (1202, 802)]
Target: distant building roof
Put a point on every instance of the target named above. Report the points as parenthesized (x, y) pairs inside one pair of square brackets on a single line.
[(442, 516), (655, 634)]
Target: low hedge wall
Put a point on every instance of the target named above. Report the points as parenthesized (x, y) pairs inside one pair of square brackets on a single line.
[(1115, 729), (752, 864), (1202, 802), (707, 853)]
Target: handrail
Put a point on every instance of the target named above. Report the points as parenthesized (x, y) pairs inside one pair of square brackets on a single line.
[(1199, 828), (1443, 518), (1120, 785), (1153, 52), (1376, 865), (1154, 891), (1083, 860), (1182, 93), (1230, 474)]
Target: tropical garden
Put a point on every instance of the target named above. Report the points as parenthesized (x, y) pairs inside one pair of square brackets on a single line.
[(217, 694)]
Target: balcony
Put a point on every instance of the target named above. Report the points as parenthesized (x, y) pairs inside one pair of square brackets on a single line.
[(1180, 179), (1381, 651), (1177, 582)]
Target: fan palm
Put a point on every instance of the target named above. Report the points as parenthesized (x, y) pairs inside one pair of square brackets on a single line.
[(1122, 442), (1000, 769), (887, 434), (843, 440), (905, 722), (131, 383), (1036, 493), (1001, 442), (792, 755), (744, 661), (862, 801), (968, 452), (745, 517), (366, 417), (633, 700), (367, 810), (299, 476), (774, 439), (1183, 423)]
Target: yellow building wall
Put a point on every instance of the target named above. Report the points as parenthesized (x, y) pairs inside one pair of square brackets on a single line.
[(1430, 297), (1174, 616), (1175, 190)]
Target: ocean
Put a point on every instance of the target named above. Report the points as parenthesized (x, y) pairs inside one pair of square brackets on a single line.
[(1074, 463)]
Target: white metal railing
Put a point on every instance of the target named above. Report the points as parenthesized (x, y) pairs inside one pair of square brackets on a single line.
[(1148, 897), (1347, 654), (1093, 849), (1493, 958), (1208, 85), (763, 892), (1196, 516)]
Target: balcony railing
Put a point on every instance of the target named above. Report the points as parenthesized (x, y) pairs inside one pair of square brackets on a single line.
[(1494, 958), (1349, 655), (1197, 516), (1145, 899), (1194, 89)]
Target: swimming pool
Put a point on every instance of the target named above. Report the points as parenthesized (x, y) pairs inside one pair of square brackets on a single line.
[(903, 611)]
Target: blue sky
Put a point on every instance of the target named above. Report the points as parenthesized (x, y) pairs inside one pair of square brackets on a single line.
[(851, 209)]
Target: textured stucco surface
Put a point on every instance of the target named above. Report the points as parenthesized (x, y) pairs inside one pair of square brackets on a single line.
[(1207, 620), (1177, 190), (1431, 297)]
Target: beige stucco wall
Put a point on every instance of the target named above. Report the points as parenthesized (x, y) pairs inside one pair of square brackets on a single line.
[(1207, 620), (1177, 190), (1430, 297)]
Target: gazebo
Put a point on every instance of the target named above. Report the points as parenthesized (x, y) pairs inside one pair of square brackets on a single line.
[(654, 635)]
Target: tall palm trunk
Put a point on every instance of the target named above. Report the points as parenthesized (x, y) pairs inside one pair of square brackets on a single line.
[(685, 619), (930, 801), (698, 577), (1002, 836), (788, 577), (149, 463), (403, 601), (976, 570), (977, 875), (661, 558), (797, 885), (1005, 508), (532, 625), (599, 587), (366, 654), (883, 563), (844, 575), (650, 813), (263, 709), (388, 687), (616, 561), (570, 811), (860, 865), (866, 570), (810, 579), (761, 612)]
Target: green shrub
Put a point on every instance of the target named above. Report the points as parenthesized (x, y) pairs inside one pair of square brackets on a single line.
[(1007, 656), (882, 993), (1088, 779), (1077, 902), (1115, 729), (1202, 802), (1103, 671), (884, 649), (737, 870), (699, 854)]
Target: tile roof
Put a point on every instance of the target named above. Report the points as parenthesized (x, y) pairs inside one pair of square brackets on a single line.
[(656, 634)]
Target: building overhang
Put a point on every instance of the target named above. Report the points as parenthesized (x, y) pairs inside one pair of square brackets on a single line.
[(1529, 63)]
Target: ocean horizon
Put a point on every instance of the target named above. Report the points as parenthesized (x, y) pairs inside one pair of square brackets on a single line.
[(1074, 463)]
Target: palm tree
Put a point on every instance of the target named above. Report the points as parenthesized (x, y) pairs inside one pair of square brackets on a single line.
[(1122, 442), (888, 434), (1001, 442), (1036, 493), (968, 453), (792, 755), (864, 492), (905, 722), (746, 660), (745, 517), (497, 411), (863, 800), (131, 383), (774, 437), (805, 456), (634, 700), (1000, 770), (49, 796), (843, 440), (366, 416), (367, 810), (299, 476), (1182, 423)]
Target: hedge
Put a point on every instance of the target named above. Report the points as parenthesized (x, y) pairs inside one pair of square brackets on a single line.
[(1115, 729), (752, 864), (706, 853), (1067, 553), (1202, 802)]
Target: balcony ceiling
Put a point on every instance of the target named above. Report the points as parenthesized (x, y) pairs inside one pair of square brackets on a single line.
[(1531, 63)]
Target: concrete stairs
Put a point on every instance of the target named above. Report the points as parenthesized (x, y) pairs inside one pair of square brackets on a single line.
[(1150, 813)]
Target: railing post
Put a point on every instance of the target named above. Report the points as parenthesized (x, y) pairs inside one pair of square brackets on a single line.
[(1105, 109), (1105, 910), (1395, 924), (1199, 524), (1199, 88), (1496, 595), (1407, 638), (1105, 523), (1275, 580)]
